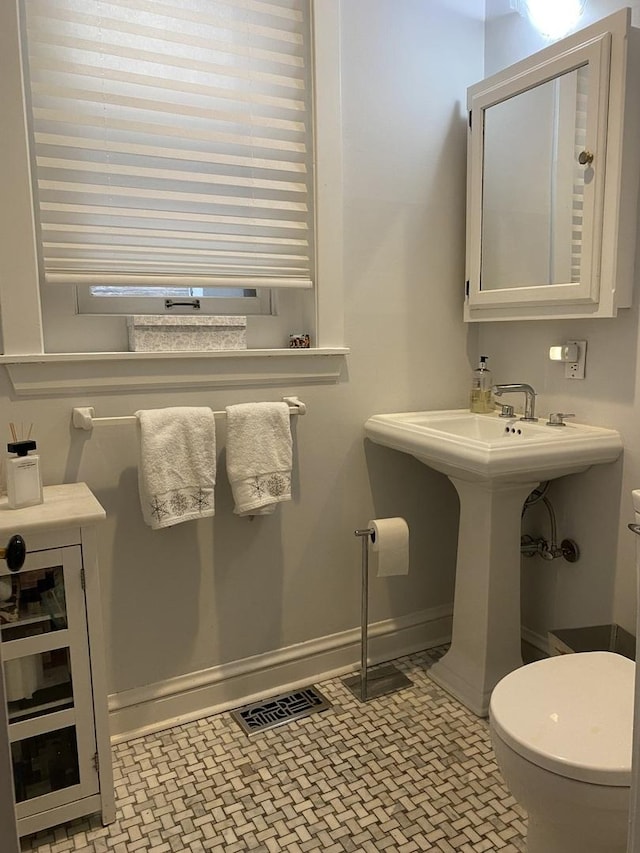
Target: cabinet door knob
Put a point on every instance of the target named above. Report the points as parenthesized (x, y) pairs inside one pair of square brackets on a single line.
[(585, 158), (14, 553)]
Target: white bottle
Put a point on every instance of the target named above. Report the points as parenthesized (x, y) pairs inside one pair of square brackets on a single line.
[(24, 484)]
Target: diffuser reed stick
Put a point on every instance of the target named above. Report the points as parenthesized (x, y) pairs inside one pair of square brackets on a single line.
[(14, 431)]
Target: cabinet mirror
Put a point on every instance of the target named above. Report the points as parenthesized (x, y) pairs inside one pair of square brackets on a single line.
[(536, 169), (544, 189)]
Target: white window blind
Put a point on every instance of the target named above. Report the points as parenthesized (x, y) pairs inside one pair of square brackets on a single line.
[(172, 141)]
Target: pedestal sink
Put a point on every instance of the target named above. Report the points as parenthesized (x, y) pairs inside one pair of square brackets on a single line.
[(494, 463)]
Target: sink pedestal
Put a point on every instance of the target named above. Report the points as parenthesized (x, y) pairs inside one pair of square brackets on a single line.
[(485, 643), (494, 463)]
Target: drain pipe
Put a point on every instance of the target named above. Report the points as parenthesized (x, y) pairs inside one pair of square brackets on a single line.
[(548, 550)]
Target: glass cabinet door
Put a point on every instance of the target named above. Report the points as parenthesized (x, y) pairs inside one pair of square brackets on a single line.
[(45, 763), (32, 602), (38, 684), (45, 659)]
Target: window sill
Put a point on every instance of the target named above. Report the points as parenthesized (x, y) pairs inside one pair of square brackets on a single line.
[(45, 374)]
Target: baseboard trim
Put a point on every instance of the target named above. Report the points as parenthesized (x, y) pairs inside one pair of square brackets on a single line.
[(538, 641), (154, 707)]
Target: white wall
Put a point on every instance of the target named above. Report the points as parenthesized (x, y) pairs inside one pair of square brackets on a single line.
[(594, 507), (209, 592)]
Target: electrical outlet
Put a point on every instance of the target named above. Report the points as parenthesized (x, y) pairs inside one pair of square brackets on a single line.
[(575, 369)]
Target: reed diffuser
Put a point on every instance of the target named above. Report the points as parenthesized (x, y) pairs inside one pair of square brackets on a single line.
[(24, 483)]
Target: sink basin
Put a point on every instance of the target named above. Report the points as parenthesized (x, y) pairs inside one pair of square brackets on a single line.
[(494, 463), (487, 447)]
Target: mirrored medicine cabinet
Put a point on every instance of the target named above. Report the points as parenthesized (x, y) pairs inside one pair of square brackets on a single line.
[(552, 188)]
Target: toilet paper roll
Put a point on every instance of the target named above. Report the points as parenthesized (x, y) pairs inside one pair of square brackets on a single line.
[(390, 546)]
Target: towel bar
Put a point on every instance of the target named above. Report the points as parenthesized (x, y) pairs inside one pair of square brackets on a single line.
[(83, 417)]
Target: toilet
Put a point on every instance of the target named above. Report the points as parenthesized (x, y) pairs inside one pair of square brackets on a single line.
[(561, 730)]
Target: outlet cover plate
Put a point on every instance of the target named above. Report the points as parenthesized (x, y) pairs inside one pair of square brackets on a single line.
[(575, 369)]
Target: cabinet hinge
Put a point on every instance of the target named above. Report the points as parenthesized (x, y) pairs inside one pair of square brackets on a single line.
[(469, 118), (466, 289), (82, 578), (96, 762)]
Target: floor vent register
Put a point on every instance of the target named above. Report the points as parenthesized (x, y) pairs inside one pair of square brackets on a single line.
[(278, 710)]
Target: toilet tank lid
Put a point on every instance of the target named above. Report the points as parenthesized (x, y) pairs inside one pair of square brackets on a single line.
[(571, 715)]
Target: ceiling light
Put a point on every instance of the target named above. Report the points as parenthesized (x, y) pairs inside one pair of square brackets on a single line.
[(552, 18)]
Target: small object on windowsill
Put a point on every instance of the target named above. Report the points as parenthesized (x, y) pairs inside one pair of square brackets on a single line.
[(186, 333), (300, 341)]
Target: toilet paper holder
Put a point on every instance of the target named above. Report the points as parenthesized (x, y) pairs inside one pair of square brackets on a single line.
[(385, 678)]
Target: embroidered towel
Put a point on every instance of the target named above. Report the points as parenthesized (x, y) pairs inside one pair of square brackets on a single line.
[(177, 468), (259, 456)]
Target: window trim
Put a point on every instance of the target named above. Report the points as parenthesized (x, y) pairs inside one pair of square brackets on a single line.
[(21, 314)]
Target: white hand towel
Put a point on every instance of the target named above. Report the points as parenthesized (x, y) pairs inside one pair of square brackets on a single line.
[(177, 469), (259, 456)]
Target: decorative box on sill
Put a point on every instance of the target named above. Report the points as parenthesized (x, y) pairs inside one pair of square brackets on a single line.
[(157, 333)]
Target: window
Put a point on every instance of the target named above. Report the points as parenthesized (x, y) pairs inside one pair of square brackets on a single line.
[(171, 151), (103, 299), (39, 327)]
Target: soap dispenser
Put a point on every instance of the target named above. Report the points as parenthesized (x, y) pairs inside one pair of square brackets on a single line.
[(481, 400)]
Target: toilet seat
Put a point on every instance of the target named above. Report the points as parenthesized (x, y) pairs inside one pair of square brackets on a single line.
[(571, 715)]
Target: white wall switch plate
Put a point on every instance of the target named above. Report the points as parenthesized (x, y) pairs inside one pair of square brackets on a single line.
[(575, 369)]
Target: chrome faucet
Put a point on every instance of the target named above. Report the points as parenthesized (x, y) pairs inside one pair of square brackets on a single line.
[(529, 397)]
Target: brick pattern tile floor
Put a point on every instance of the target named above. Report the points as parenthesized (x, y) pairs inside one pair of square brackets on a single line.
[(407, 772)]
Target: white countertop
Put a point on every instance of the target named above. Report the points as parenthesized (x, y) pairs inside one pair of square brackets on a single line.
[(67, 505)]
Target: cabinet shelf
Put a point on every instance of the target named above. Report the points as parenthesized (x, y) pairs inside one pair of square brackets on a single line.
[(40, 710), (34, 620)]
